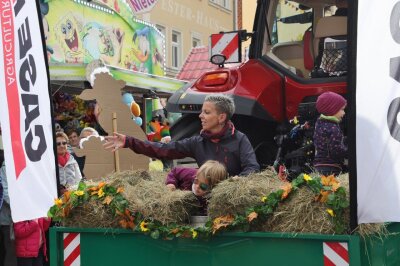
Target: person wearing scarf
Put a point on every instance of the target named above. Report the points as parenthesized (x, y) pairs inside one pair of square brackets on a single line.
[(70, 175), (330, 149), (218, 140)]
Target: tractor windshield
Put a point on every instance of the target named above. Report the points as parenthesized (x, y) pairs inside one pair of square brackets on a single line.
[(293, 36)]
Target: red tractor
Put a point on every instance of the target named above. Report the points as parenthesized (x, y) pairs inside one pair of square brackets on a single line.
[(298, 51)]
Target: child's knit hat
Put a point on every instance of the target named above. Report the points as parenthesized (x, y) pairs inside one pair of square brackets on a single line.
[(329, 103)]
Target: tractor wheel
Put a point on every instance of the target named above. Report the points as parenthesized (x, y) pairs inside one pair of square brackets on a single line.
[(186, 126), (266, 153)]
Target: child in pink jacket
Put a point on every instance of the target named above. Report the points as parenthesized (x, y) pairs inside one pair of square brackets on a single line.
[(30, 241)]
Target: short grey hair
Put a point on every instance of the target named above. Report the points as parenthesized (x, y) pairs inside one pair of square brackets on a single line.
[(91, 130), (224, 103)]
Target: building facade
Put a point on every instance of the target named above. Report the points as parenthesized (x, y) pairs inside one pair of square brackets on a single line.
[(188, 24)]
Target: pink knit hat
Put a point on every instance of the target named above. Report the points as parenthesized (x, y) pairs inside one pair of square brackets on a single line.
[(329, 103)]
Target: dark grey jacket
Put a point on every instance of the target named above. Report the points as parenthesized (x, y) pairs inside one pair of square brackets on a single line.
[(233, 150)]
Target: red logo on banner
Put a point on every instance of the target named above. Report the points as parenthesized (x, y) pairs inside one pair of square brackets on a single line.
[(7, 28)]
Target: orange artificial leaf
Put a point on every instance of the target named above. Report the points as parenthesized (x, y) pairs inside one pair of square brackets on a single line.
[(94, 193), (107, 200), (287, 188), (335, 186), (174, 231), (101, 184), (323, 197), (222, 221), (123, 224), (120, 190), (131, 225), (93, 189), (252, 216), (66, 196), (118, 212)]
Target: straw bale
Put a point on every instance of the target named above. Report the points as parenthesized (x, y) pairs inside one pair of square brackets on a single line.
[(155, 201), (91, 214), (236, 196), (127, 178), (300, 213)]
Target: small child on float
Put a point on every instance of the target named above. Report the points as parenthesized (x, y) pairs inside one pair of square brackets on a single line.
[(30, 241), (200, 181), (330, 150)]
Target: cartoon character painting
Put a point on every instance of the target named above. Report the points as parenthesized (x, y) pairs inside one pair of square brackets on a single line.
[(141, 38), (68, 30), (102, 43)]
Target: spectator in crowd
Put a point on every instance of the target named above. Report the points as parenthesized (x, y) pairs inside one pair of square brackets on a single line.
[(73, 138), (30, 241), (218, 140), (74, 143), (70, 175), (86, 133), (7, 244)]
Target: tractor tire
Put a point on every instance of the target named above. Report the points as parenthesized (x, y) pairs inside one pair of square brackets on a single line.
[(186, 126)]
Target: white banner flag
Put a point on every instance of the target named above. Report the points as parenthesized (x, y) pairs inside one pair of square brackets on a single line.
[(378, 106), (25, 112)]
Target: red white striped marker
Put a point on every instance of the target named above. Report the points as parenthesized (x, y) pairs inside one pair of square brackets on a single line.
[(72, 249), (226, 44), (336, 254)]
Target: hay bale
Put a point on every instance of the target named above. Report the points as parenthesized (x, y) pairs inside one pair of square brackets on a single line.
[(236, 196), (127, 178), (155, 201), (300, 213), (91, 214), (378, 230)]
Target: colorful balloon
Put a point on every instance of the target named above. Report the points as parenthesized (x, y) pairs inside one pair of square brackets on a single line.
[(139, 121), (127, 98), (135, 109)]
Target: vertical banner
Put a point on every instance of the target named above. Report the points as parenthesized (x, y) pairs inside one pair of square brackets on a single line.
[(25, 112), (377, 111)]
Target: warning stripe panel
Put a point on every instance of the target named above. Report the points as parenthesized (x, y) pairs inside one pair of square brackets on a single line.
[(336, 253), (72, 249), (226, 44)]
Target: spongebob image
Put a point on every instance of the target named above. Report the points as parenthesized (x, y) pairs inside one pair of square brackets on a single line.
[(67, 32), (103, 43)]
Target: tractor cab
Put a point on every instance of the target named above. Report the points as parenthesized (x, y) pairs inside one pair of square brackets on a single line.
[(298, 50)]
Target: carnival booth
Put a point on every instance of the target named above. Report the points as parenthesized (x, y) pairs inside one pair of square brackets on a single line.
[(80, 32)]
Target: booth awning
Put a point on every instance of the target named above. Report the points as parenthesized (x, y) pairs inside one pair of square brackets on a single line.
[(135, 80)]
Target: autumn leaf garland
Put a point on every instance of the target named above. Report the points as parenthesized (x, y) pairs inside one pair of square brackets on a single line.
[(327, 190)]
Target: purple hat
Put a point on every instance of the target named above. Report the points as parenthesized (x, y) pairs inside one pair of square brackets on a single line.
[(329, 103)]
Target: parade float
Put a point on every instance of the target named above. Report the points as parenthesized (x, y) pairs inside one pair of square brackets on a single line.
[(126, 218)]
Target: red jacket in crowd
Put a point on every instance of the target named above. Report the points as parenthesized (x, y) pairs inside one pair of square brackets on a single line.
[(29, 235)]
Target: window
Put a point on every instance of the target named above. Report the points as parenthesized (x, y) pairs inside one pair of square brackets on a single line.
[(195, 42), (196, 39), (176, 49), (226, 4), (161, 29)]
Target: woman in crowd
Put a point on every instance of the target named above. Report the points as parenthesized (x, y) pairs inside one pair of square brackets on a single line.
[(218, 140), (70, 175)]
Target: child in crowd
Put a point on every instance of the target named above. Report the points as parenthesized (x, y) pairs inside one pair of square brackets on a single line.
[(330, 149), (30, 241), (200, 181)]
